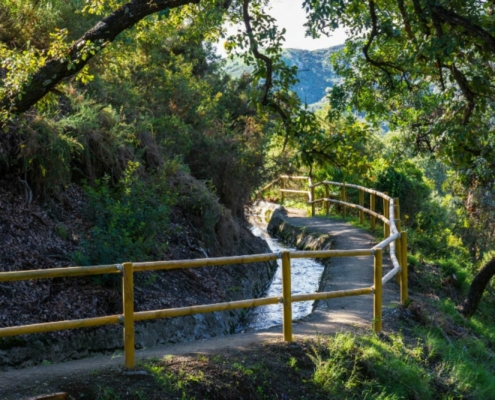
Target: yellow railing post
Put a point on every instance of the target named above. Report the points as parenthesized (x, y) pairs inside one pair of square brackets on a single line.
[(327, 203), (287, 296), (342, 198), (128, 308), (386, 214), (377, 303), (397, 208), (372, 208), (361, 203), (404, 285), (398, 251), (312, 190)]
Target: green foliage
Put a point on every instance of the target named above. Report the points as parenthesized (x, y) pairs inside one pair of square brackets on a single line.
[(151, 100), (357, 367), (410, 64), (130, 221), (108, 141), (428, 219), (405, 181), (466, 365), (202, 206), (106, 393), (186, 107), (45, 154)]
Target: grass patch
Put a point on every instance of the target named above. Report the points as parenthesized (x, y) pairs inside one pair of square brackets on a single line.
[(367, 367)]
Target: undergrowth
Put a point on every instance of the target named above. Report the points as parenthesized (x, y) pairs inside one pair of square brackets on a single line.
[(131, 220)]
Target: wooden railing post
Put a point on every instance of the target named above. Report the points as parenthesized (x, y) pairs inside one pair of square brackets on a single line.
[(327, 203), (398, 250), (404, 285), (342, 198), (361, 203), (372, 208), (128, 308), (397, 208), (377, 303), (287, 296), (386, 214), (312, 190)]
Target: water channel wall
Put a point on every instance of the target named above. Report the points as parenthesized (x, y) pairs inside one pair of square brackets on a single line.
[(302, 239), (297, 236)]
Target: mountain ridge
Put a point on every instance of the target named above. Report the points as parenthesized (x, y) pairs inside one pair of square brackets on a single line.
[(315, 73)]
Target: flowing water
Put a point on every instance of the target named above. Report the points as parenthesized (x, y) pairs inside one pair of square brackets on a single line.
[(305, 275)]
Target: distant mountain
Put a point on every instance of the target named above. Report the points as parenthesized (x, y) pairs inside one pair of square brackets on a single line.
[(314, 72)]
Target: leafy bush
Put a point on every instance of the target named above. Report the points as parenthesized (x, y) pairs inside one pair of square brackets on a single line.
[(46, 152), (405, 181), (130, 220)]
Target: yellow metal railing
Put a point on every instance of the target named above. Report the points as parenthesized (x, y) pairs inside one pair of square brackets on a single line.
[(396, 241), (394, 238)]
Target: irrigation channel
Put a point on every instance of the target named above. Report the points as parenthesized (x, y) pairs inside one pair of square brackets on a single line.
[(306, 275)]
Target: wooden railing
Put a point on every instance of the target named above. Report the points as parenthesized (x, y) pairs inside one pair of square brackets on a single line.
[(397, 241)]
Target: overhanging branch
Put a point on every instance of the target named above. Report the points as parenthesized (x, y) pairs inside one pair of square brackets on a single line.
[(54, 70)]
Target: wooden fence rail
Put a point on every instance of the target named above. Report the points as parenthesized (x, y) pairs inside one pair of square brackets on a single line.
[(395, 240)]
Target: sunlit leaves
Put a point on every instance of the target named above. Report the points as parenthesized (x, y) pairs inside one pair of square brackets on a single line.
[(18, 66), (425, 72), (101, 7)]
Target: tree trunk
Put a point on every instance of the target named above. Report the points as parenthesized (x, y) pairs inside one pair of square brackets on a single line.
[(103, 33), (478, 286)]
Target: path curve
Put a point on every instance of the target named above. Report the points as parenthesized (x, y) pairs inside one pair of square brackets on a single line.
[(344, 273), (330, 316)]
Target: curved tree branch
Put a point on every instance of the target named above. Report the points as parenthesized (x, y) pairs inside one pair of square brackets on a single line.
[(477, 288), (407, 24), (104, 32), (463, 83), (421, 17), (459, 77), (455, 20), (373, 34), (265, 99), (257, 54)]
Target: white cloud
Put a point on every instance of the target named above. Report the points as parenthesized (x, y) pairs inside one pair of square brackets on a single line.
[(291, 16)]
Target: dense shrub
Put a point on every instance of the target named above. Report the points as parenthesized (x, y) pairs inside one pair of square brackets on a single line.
[(130, 220), (405, 181)]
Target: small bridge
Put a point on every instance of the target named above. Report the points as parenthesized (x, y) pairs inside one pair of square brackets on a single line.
[(394, 239)]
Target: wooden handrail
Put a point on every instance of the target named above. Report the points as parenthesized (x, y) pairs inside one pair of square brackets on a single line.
[(396, 238)]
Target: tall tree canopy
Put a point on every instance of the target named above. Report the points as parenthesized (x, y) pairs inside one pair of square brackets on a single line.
[(424, 65), (440, 49)]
